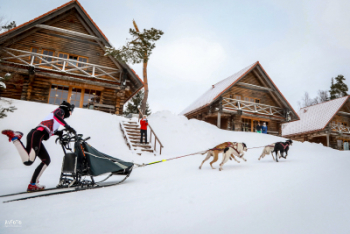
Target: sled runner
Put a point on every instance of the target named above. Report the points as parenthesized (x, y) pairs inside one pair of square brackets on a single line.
[(87, 162)]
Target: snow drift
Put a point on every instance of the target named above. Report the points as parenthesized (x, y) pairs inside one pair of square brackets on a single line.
[(307, 193)]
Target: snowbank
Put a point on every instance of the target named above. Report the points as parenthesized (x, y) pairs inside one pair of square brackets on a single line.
[(307, 193)]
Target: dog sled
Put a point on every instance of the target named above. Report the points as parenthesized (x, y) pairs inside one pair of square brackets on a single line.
[(83, 163)]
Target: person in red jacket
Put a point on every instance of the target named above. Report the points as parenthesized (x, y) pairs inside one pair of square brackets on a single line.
[(143, 128)]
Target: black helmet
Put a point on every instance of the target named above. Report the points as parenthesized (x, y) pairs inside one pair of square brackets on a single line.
[(67, 107)]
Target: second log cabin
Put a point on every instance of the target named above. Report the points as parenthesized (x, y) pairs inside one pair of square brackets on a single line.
[(242, 100)]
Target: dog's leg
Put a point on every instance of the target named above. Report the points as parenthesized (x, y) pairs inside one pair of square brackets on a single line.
[(234, 158), (279, 154), (206, 158), (273, 156), (216, 157), (224, 160), (241, 156)]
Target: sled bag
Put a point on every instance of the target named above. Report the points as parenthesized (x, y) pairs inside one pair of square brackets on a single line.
[(101, 163)]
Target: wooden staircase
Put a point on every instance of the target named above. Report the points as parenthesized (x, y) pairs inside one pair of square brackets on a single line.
[(132, 135)]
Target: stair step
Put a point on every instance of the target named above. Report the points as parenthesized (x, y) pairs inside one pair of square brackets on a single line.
[(147, 150), (129, 128), (142, 146)]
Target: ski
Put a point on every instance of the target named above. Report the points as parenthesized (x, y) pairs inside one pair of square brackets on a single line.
[(20, 193), (70, 190)]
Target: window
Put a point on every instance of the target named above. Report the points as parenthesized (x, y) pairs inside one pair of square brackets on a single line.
[(58, 94), (48, 59), (249, 99), (91, 96), (34, 50), (62, 55), (238, 97), (82, 59), (73, 58)]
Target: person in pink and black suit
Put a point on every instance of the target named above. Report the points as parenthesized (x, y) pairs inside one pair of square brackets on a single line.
[(48, 127)]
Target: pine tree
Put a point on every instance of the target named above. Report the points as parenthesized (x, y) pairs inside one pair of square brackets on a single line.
[(338, 89), (137, 50), (135, 103)]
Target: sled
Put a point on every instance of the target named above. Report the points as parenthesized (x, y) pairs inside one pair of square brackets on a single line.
[(84, 161)]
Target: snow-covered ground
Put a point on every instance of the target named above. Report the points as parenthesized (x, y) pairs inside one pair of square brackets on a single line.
[(307, 193)]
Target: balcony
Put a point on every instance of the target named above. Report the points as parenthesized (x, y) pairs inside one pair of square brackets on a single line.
[(230, 104), (57, 64), (340, 128)]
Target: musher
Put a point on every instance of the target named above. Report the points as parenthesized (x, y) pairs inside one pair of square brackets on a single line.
[(48, 127)]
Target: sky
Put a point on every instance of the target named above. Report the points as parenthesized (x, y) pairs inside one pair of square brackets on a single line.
[(300, 44)]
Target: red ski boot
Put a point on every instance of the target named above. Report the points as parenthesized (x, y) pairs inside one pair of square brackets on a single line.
[(11, 134), (35, 187)]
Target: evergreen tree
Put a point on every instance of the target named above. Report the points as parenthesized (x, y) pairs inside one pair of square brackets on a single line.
[(137, 50), (339, 88), (10, 26), (135, 103)]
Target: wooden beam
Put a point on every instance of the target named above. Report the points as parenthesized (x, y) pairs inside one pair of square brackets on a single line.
[(343, 113), (48, 27), (70, 38), (254, 86)]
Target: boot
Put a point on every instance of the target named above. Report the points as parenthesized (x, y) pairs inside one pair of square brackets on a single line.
[(35, 187), (11, 134)]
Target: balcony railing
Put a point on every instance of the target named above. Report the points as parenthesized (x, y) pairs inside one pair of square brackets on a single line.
[(251, 107), (63, 65), (340, 128)]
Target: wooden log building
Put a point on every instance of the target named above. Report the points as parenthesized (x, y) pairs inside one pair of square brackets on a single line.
[(60, 56), (242, 100), (327, 123)]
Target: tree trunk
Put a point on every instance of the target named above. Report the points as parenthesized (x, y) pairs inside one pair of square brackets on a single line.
[(145, 97)]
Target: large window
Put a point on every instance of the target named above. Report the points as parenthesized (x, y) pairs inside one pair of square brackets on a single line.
[(91, 96), (58, 94), (75, 97), (80, 97)]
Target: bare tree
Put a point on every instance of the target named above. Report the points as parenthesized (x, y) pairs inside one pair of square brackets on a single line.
[(322, 96)]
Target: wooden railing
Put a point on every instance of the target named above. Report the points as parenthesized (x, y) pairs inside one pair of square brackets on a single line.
[(64, 65), (340, 128), (252, 107), (155, 137)]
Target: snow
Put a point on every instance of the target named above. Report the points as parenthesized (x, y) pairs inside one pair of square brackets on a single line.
[(307, 193), (218, 88), (314, 118)]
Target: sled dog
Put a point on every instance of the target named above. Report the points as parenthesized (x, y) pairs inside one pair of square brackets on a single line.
[(232, 151), (282, 147), (267, 150), (215, 152)]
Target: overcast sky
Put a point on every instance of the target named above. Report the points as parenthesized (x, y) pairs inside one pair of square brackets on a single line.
[(300, 44)]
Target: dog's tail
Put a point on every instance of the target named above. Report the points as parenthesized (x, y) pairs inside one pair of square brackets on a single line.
[(205, 152)]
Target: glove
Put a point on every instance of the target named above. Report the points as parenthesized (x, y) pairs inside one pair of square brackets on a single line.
[(59, 133), (70, 129)]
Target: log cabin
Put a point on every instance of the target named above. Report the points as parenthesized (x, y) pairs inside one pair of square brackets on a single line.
[(327, 123), (241, 101), (60, 55)]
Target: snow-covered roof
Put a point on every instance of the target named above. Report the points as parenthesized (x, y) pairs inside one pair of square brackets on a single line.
[(217, 89), (314, 118)]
